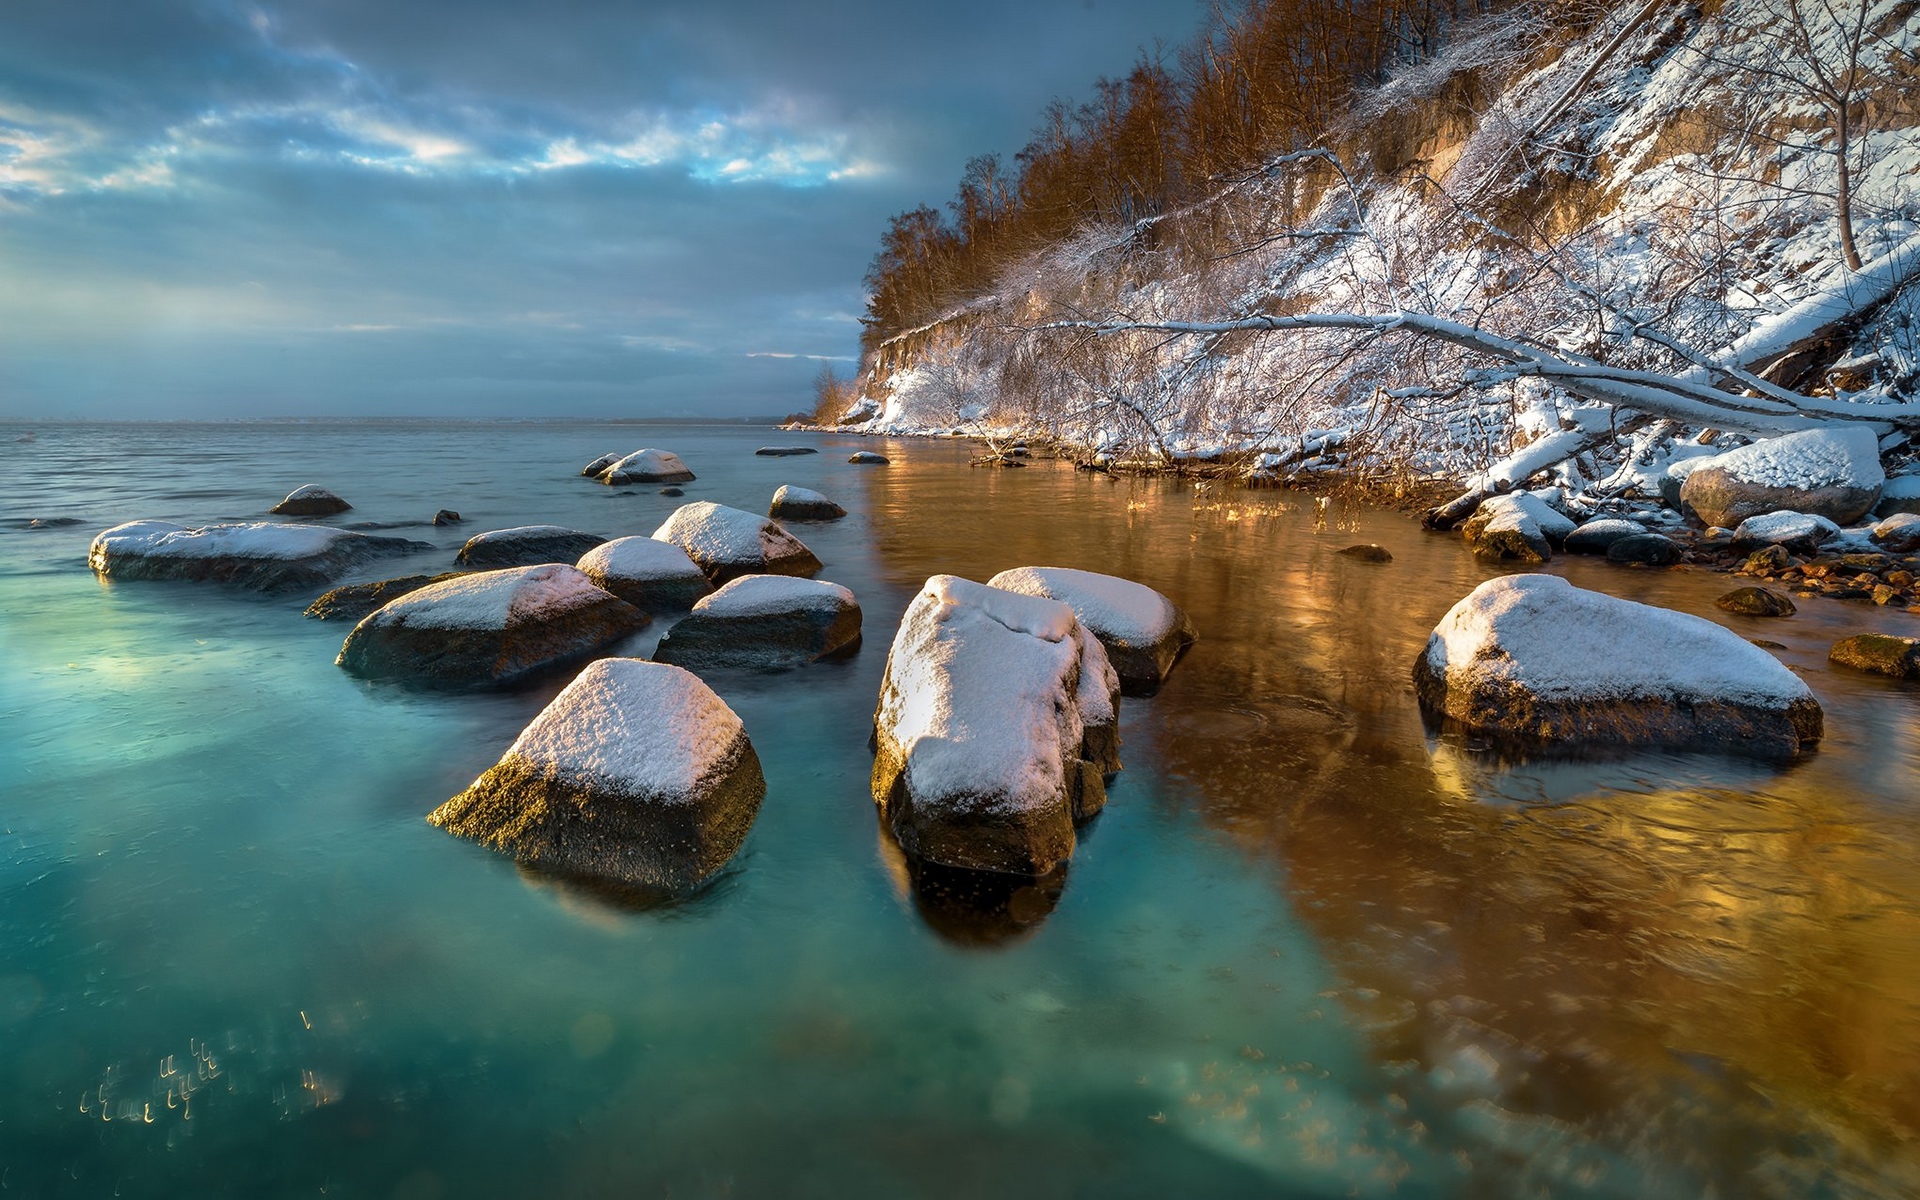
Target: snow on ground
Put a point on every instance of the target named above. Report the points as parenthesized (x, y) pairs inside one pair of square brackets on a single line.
[(640, 558), (252, 539), (1848, 456), (1560, 642), (760, 595), (643, 728), (1113, 607), (493, 599)]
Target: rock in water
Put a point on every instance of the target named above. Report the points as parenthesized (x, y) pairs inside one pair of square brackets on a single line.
[(1144, 633), (1880, 653), (1515, 527), (258, 554), (784, 451), (446, 516), (1901, 494), (599, 465), (1535, 658), (651, 575), (767, 621), (1645, 550), (526, 546), (1833, 473), (984, 760), (310, 500), (1899, 533), (1595, 537), (792, 503), (647, 466), (1796, 533), (489, 628), (868, 457), (1757, 602), (730, 542), (1367, 553), (636, 775), (356, 600)]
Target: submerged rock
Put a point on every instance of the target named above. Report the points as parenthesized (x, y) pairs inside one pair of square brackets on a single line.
[(525, 546), (489, 628), (672, 491), (1899, 534), (1596, 537), (648, 574), (1367, 553), (784, 451), (1757, 602), (730, 542), (1535, 658), (1644, 549), (1880, 653), (446, 516), (1793, 532), (1831, 472), (1144, 633), (636, 775), (356, 600), (1515, 527), (647, 466), (310, 500), (981, 733), (868, 457), (791, 503), (256, 554), (766, 621)]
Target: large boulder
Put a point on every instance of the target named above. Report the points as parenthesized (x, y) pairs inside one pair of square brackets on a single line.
[(1516, 527), (526, 546), (1794, 532), (983, 759), (647, 466), (650, 575), (730, 542), (310, 500), (489, 628), (1144, 632), (1534, 658), (256, 554), (1833, 472), (636, 776), (1595, 537), (766, 621), (792, 503), (356, 600)]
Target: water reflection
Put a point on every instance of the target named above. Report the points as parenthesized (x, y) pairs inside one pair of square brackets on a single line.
[(971, 908)]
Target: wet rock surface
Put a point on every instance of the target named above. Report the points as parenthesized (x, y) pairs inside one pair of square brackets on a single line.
[(525, 546), (1644, 549), (1367, 553), (1757, 602), (356, 600), (1879, 653)]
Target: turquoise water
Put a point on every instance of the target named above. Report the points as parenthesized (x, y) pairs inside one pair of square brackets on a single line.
[(1308, 950)]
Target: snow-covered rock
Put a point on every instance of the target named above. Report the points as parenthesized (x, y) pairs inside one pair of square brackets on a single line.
[(649, 574), (255, 554), (1899, 533), (983, 759), (730, 542), (310, 500), (868, 458), (765, 621), (1880, 653), (1595, 536), (647, 466), (791, 503), (1832, 472), (784, 451), (1144, 633), (1535, 658), (525, 546), (1516, 527), (488, 628), (1899, 494), (356, 600), (1799, 533), (636, 775), (599, 465)]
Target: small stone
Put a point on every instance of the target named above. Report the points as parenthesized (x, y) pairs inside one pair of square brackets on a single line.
[(1879, 653), (1773, 558), (1756, 602), (672, 491), (1900, 578), (1764, 644), (1367, 553), (446, 516), (1883, 594), (868, 458), (310, 500)]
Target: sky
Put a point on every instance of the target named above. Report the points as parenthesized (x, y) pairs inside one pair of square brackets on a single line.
[(488, 208)]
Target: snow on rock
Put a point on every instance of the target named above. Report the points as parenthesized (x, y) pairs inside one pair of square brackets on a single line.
[(730, 542), (765, 621), (647, 466), (1532, 656), (1899, 533), (488, 628), (1516, 527), (793, 503), (1144, 633), (356, 600), (648, 574), (310, 500), (1900, 494), (1832, 472), (1800, 533), (1595, 536), (256, 554), (599, 465), (637, 775), (525, 546), (983, 760), (868, 457)]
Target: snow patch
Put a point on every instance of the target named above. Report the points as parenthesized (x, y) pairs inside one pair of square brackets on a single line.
[(251, 539), (1113, 607), (1841, 456), (761, 595), (639, 558), (493, 599), (711, 532)]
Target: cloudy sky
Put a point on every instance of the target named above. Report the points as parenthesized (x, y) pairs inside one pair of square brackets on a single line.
[(486, 207)]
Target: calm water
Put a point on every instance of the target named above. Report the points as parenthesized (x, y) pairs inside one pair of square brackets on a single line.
[(1308, 950)]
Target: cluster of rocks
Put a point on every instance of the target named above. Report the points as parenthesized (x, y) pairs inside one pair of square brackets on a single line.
[(1885, 579), (641, 466)]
